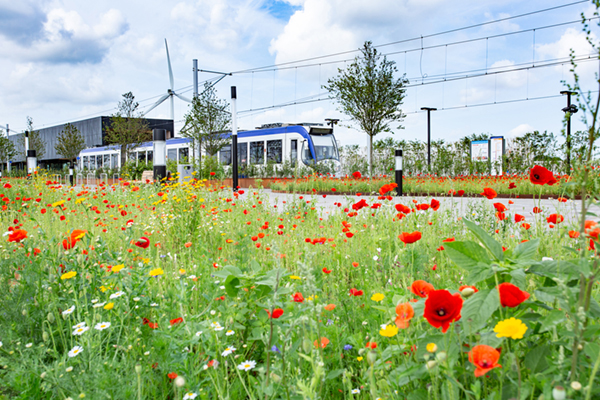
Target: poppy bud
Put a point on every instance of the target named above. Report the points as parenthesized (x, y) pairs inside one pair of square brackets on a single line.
[(431, 364), (371, 357), (276, 378), (441, 356), (361, 352), (50, 318), (467, 292), (45, 336), (559, 393), (306, 345), (138, 369)]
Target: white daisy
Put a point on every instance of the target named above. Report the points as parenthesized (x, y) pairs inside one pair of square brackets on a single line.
[(102, 326), (153, 305), (355, 391), (198, 333), (95, 301), (117, 294), (68, 310), (189, 395), (98, 305), (28, 345), (75, 350), (79, 325), (228, 351), (247, 365), (229, 332), (80, 331)]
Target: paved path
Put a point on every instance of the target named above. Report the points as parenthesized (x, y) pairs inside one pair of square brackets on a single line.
[(570, 210)]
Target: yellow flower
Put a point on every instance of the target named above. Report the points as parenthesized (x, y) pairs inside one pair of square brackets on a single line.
[(359, 358), (377, 297), (58, 203), (181, 271), (80, 200), (431, 347), (117, 268), (295, 277), (156, 272), (105, 288), (512, 328), (109, 306), (389, 331), (68, 275)]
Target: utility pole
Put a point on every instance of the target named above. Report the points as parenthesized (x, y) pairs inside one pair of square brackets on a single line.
[(429, 110), (570, 109)]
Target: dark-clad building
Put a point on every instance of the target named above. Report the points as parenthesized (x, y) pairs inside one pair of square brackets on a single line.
[(93, 131)]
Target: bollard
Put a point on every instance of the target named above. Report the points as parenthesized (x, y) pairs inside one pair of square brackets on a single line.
[(398, 158)]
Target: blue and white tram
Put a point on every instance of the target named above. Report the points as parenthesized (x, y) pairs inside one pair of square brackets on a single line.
[(302, 145), (109, 157)]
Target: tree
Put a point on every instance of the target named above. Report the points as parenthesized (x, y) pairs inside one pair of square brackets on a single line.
[(70, 142), (7, 148), (368, 92), (206, 120), (35, 141), (127, 127)]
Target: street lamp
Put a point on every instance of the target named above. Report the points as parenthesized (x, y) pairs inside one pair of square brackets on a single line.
[(571, 109), (332, 121), (429, 110), (159, 136)]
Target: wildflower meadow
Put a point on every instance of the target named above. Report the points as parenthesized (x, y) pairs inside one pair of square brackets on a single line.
[(195, 291)]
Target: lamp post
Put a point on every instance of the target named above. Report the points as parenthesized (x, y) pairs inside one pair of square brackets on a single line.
[(398, 159), (159, 136), (571, 109), (429, 110), (234, 138)]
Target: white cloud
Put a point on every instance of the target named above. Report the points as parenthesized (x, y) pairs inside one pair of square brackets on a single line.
[(571, 39), (519, 130)]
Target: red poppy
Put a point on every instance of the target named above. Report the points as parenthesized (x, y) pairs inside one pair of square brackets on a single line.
[(176, 321), (525, 225), (501, 216), (512, 185), (17, 235), (573, 234), (357, 206), (298, 298), (489, 193), (278, 312), (555, 219), (448, 240), (460, 289), (460, 193), (402, 208), (172, 375), (485, 358), (7, 186), (404, 313), (212, 174), (435, 204), (442, 308), (421, 288), (500, 207), (354, 292), (371, 345), (143, 242), (422, 207), (409, 238), (552, 181), (519, 218), (323, 343), (387, 188), (349, 234), (510, 295), (356, 175), (327, 271), (540, 175)]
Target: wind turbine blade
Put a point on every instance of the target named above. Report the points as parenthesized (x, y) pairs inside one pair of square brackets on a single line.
[(182, 97), (163, 98), (169, 63)]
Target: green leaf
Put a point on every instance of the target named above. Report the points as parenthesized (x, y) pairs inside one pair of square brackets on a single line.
[(535, 359), (526, 250), (231, 285), (419, 394), (489, 242), (479, 308), (553, 319), (228, 270), (381, 308), (467, 254), (334, 374), (518, 277)]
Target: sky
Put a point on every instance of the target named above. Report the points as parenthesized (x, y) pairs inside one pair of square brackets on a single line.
[(67, 60)]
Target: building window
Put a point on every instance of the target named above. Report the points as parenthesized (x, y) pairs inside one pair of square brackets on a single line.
[(85, 163), (274, 148), (92, 162), (257, 152), (132, 156), (172, 154), (225, 155), (142, 156), (242, 153), (115, 160), (99, 161), (150, 155), (184, 154), (107, 160)]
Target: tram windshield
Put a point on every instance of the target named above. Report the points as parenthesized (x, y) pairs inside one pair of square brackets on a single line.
[(325, 148)]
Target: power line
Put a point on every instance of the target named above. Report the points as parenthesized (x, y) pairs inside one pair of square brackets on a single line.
[(415, 38)]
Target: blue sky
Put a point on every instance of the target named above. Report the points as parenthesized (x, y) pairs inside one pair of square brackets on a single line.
[(65, 60)]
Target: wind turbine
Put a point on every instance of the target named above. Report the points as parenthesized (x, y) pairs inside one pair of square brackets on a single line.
[(170, 92)]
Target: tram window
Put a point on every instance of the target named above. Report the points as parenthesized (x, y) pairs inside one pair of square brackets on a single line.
[(184, 154), (294, 151), (150, 155), (99, 161), (115, 160), (172, 154), (274, 150), (85, 162), (225, 155), (257, 152), (242, 153)]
